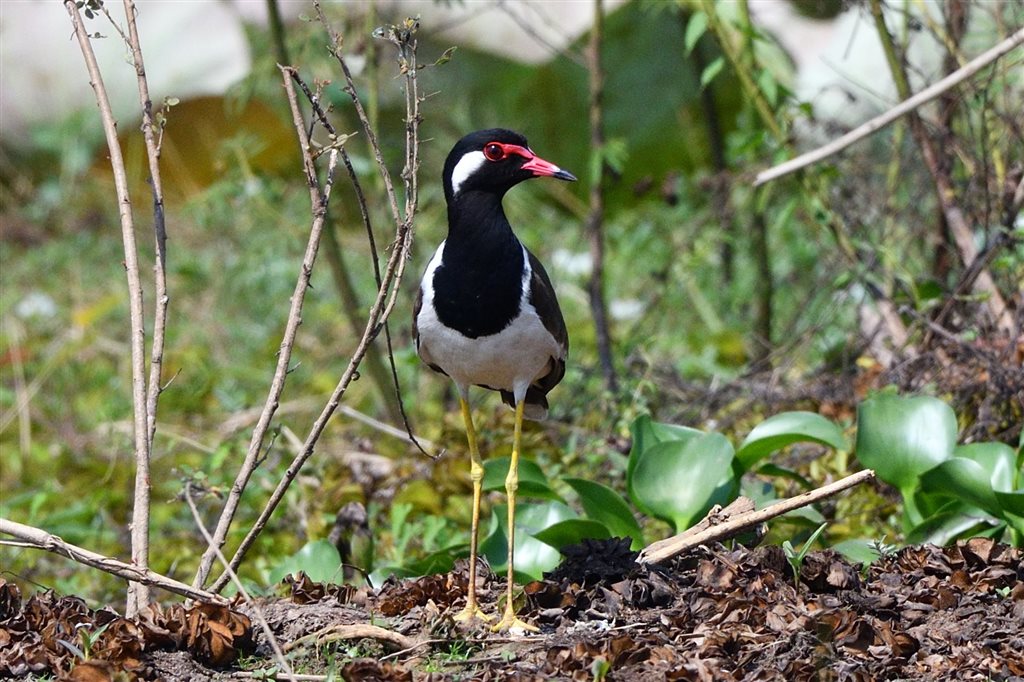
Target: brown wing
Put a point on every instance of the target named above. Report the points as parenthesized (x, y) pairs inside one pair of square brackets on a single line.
[(542, 298)]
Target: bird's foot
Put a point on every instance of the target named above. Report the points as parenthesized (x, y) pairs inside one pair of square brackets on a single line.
[(473, 611), (511, 622)]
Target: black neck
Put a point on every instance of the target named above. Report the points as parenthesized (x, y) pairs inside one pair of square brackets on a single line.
[(478, 287)]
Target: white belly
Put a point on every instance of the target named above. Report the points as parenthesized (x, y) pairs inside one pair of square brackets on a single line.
[(510, 360)]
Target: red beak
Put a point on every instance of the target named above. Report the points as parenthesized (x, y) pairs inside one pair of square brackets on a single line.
[(540, 167)]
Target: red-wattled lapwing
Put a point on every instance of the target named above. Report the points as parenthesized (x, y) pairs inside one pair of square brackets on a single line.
[(486, 314)]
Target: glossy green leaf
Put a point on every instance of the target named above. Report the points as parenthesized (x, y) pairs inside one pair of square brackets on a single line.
[(319, 559), (532, 556), (532, 481), (775, 471), (571, 532), (646, 434), (955, 520), (680, 480), (1011, 502), (783, 429), (965, 480), (604, 505), (998, 459), (901, 438)]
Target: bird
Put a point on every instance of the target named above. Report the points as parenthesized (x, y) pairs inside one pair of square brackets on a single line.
[(486, 313)]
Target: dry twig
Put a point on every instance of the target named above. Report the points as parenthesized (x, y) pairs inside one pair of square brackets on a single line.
[(388, 292), (319, 199), (138, 594), (40, 539), (335, 633), (721, 524), (901, 109)]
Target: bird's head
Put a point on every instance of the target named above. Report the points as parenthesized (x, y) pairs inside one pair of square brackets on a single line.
[(493, 161)]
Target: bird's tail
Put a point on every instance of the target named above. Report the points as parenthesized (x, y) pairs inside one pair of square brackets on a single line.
[(536, 408)]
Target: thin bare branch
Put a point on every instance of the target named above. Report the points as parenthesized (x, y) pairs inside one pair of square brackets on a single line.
[(882, 120), (149, 132), (733, 520), (48, 542), (138, 594), (319, 200), (390, 283), (595, 217)]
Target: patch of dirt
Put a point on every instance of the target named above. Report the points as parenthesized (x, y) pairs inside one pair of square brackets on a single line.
[(923, 613)]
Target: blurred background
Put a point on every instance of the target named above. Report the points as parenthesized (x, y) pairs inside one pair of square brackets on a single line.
[(725, 305)]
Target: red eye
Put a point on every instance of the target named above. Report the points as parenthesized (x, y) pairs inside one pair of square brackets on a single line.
[(494, 151)]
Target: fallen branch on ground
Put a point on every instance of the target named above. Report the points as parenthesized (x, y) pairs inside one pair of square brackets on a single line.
[(334, 633), (722, 524), (40, 539)]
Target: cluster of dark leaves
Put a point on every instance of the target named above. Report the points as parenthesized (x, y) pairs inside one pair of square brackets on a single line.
[(302, 590), (63, 636), (924, 613), (399, 597)]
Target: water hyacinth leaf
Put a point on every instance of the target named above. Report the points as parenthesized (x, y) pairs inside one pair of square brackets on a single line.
[(783, 429), (961, 521), (857, 550), (901, 438), (647, 433), (533, 557), (998, 459), (1011, 502), (604, 505), (570, 532), (965, 480), (532, 481), (319, 559), (680, 480)]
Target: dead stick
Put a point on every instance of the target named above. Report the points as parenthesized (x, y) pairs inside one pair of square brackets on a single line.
[(731, 526), (138, 595), (40, 539), (901, 109), (334, 633)]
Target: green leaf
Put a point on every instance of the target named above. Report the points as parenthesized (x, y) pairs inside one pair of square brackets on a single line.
[(783, 429), (901, 438), (710, 71), (857, 550), (532, 557), (319, 559), (998, 459), (1012, 502), (696, 26), (646, 434), (571, 532), (775, 471), (965, 480), (680, 480), (607, 507), (532, 481)]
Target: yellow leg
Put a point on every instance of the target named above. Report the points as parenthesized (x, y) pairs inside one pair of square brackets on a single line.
[(476, 473), (509, 620)]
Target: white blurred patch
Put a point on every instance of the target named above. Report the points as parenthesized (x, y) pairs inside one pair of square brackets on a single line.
[(626, 309), (35, 304), (190, 49), (572, 263)]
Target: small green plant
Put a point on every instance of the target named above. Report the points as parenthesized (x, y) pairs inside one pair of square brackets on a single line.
[(949, 491), (796, 558)]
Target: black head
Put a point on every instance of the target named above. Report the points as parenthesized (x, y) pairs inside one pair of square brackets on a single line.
[(493, 161)]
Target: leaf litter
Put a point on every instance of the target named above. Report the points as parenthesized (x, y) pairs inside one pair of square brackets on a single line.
[(922, 613)]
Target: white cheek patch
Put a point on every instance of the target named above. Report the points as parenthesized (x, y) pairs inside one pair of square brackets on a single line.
[(467, 165)]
